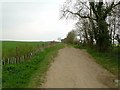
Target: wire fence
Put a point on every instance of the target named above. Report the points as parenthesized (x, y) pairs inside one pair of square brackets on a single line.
[(19, 59)]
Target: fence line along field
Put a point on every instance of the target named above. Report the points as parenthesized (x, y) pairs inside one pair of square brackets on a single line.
[(14, 52), (23, 74)]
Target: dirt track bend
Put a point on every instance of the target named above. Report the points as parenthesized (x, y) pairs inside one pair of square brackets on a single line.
[(75, 68)]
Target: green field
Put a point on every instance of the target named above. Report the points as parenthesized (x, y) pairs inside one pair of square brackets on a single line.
[(30, 72), (0, 49), (10, 48)]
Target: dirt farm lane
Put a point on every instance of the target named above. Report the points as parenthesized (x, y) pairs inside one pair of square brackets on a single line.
[(75, 68)]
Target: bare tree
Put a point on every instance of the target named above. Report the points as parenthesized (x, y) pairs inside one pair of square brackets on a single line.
[(114, 23), (100, 10)]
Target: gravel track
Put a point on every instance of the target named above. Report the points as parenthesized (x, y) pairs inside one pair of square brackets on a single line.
[(75, 68)]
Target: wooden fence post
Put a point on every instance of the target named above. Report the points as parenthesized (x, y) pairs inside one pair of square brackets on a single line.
[(16, 54), (15, 60), (20, 58), (3, 61), (23, 57), (11, 60), (8, 61), (27, 55)]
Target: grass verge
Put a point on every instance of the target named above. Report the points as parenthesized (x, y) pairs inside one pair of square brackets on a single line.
[(108, 60), (22, 75)]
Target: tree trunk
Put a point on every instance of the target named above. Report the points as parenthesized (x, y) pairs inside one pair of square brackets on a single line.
[(103, 40)]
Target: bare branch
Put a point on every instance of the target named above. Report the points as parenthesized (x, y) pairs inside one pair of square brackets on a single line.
[(78, 14), (109, 9), (92, 5), (85, 5)]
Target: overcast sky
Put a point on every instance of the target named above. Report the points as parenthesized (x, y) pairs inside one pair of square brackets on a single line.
[(33, 20)]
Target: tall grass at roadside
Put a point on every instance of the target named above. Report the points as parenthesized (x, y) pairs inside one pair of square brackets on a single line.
[(107, 60), (22, 75)]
